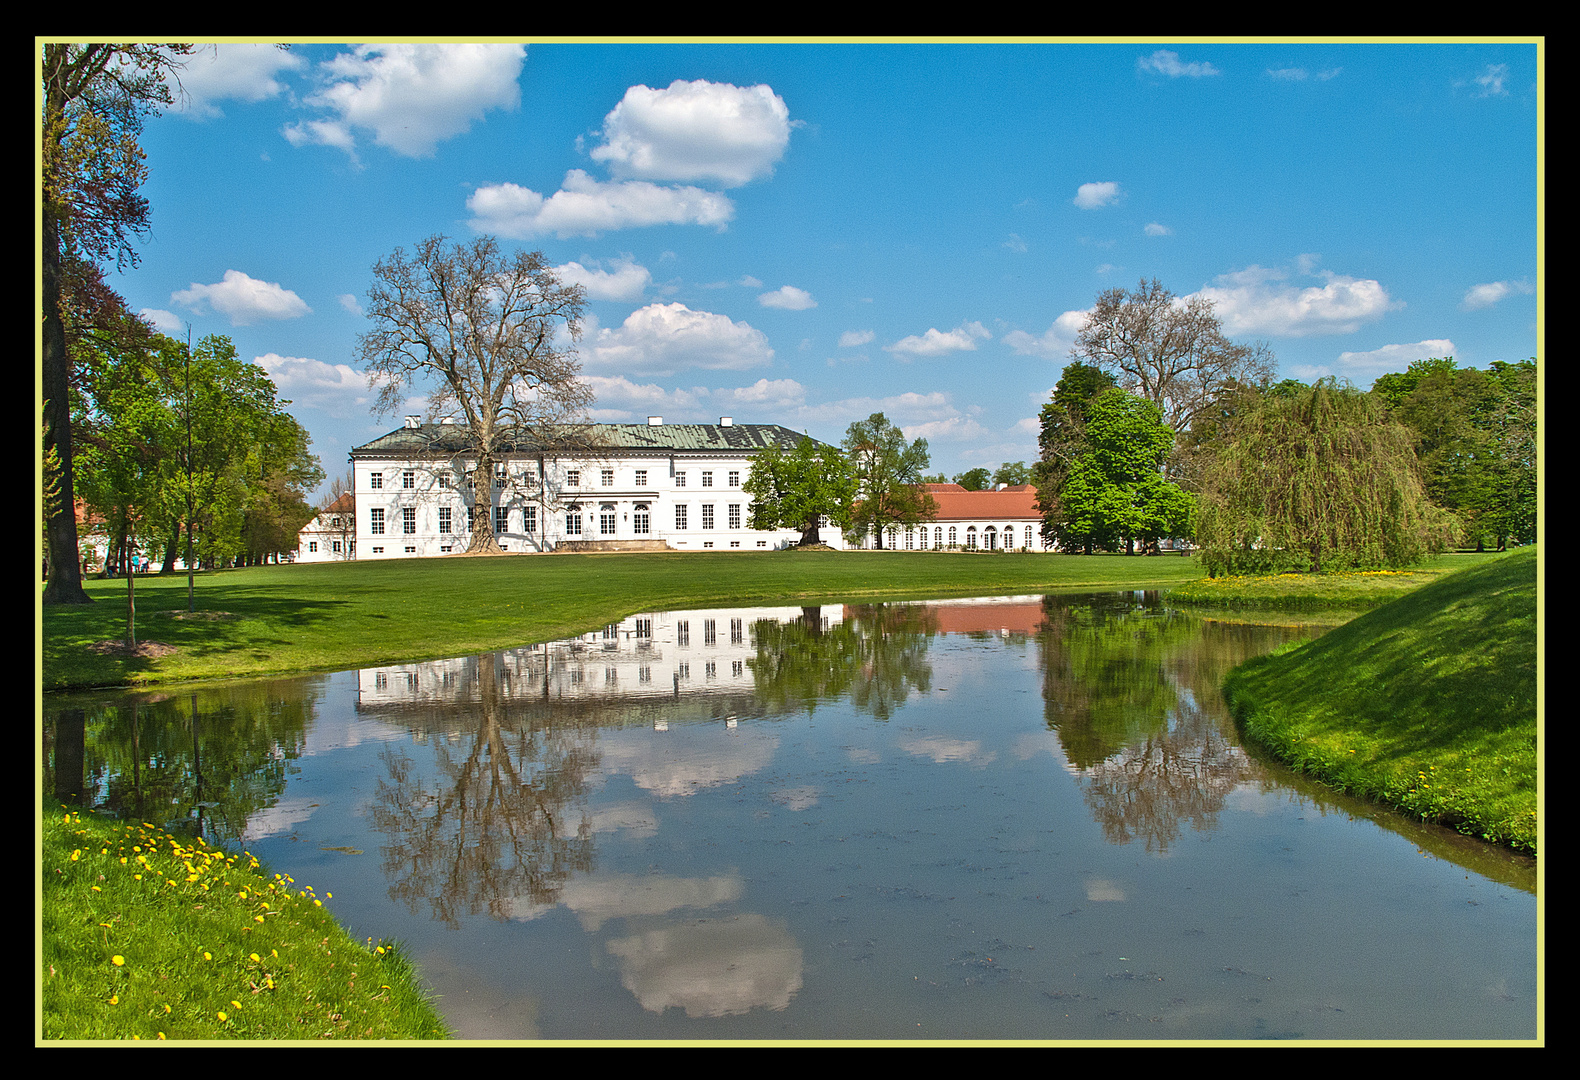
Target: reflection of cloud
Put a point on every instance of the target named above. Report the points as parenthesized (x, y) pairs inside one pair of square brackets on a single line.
[(595, 900), (941, 749), (681, 764), (1098, 890), (801, 798), (715, 968), (282, 817), (636, 819)]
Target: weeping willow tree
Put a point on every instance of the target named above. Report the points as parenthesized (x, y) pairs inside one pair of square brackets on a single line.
[(1315, 479)]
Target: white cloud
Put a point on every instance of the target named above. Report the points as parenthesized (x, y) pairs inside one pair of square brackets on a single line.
[(1258, 300), (411, 97), (1287, 74), (661, 339), (1393, 357), (620, 399), (243, 300), (1092, 196), (1154, 229), (851, 338), (701, 131), (350, 303), (166, 322), (1054, 343), (1015, 243), (1484, 296), (585, 207), (1164, 62), (336, 389), (239, 72), (1491, 80), (936, 342), (789, 298), (627, 281)]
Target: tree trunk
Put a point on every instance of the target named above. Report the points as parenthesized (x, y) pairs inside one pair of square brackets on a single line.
[(65, 564), (483, 542)]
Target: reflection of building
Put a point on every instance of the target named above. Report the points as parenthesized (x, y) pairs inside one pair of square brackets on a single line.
[(632, 487), (988, 615), (332, 534), (988, 520), (669, 654)]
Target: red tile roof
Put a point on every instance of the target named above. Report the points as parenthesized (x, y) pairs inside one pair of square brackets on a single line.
[(1011, 504)]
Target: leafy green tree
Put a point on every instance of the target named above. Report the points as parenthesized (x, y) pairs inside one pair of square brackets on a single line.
[(1476, 440), (1012, 473), (1116, 493), (127, 431), (975, 479), (800, 489), (1318, 480), (1062, 440), (888, 474), (93, 99)]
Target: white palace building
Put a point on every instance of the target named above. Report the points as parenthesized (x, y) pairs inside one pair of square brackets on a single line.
[(632, 487)]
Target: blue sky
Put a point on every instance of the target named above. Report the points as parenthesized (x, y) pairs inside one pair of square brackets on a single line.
[(806, 234)]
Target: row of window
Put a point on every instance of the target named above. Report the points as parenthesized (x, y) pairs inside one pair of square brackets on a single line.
[(573, 478), (988, 538), (641, 519)]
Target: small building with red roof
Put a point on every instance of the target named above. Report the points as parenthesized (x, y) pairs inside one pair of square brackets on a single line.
[(1003, 519)]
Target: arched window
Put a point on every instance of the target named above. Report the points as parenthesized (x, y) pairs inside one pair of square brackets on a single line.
[(938, 538), (952, 540), (971, 537)]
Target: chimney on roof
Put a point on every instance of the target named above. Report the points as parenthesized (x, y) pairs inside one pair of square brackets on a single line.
[(655, 421), (726, 421), (413, 421)]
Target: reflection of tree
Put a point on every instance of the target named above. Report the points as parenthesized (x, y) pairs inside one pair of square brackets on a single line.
[(1104, 682), (1132, 694), (1180, 773), (201, 762), (876, 656), (495, 827)]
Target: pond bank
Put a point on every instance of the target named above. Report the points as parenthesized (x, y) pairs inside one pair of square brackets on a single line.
[(1426, 704)]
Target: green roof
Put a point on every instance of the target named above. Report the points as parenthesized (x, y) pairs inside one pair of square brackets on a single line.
[(426, 440)]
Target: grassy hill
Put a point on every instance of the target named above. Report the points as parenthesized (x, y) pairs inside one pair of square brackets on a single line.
[(1428, 703)]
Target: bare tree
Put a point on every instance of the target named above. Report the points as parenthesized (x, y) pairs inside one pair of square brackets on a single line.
[(483, 333), (1171, 351)]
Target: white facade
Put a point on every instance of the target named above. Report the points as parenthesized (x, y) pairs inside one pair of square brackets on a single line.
[(653, 486), (332, 534), (653, 655)]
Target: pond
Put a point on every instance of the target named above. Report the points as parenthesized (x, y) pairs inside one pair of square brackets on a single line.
[(1017, 817)]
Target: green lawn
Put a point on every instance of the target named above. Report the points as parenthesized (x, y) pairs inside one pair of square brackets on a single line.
[(151, 936), (334, 616), (1428, 704)]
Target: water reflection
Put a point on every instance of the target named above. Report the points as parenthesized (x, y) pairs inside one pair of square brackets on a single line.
[(709, 804)]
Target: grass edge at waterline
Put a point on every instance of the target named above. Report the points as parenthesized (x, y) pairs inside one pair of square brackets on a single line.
[(337, 616), (149, 936), (1427, 704)]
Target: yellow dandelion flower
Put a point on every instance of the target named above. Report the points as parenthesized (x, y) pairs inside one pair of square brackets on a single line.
[(208, 956), (115, 999), (257, 918), (221, 1016), (161, 1035), (118, 961), (235, 1004), (75, 855)]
